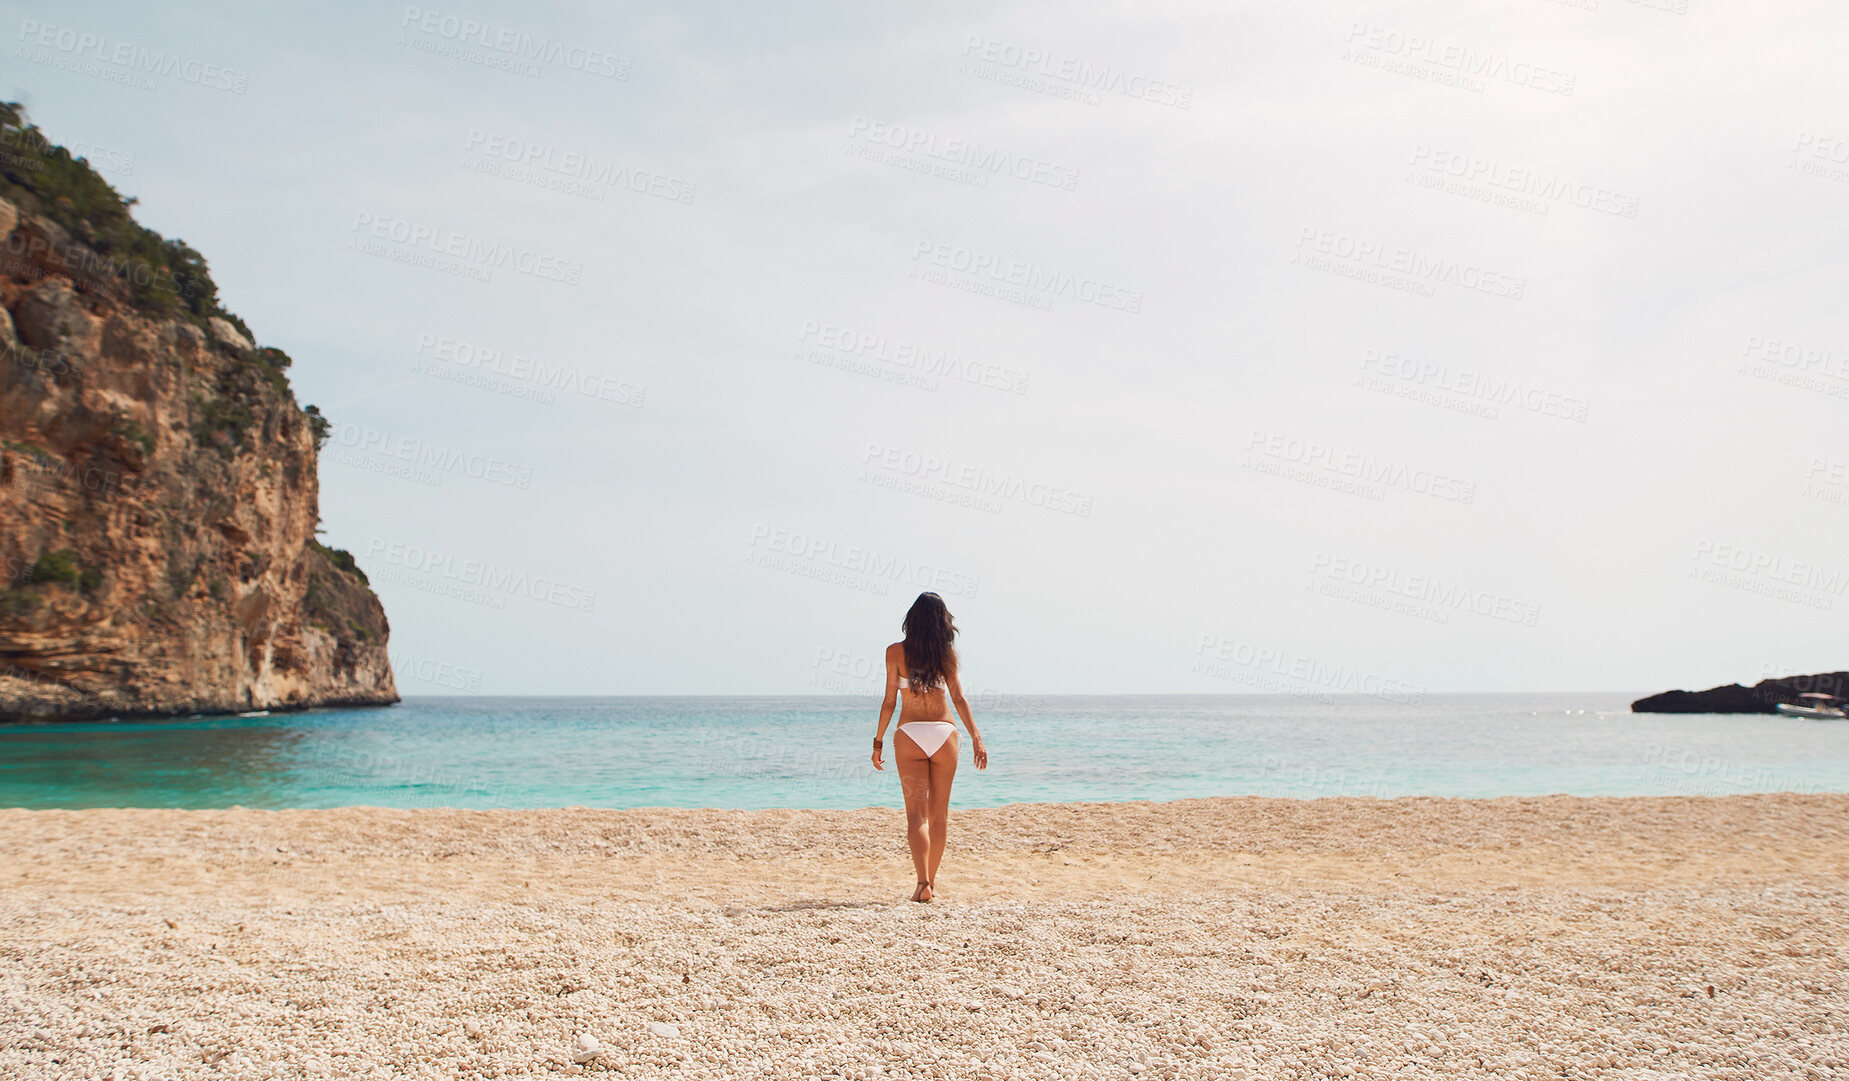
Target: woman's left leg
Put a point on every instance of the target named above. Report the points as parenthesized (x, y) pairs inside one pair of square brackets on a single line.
[(943, 770)]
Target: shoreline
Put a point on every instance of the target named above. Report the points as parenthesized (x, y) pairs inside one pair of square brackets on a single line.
[(956, 808), (1237, 937), (99, 716)]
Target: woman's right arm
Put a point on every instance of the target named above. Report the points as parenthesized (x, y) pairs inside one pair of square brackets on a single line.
[(887, 706)]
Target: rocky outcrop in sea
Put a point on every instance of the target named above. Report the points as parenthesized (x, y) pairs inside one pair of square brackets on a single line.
[(1761, 697)]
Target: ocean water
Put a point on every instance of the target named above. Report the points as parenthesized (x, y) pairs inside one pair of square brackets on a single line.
[(813, 752)]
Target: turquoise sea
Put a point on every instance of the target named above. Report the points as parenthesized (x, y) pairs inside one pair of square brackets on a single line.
[(812, 752)]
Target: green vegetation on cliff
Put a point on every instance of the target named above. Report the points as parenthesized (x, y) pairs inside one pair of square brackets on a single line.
[(159, 276), (333, 602), (56, 568), (341, 558), (165, 277)]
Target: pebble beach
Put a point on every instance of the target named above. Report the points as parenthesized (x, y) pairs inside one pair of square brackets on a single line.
[(1554, 937)]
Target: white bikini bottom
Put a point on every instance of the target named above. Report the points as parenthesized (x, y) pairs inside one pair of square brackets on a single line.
[(929, 735)]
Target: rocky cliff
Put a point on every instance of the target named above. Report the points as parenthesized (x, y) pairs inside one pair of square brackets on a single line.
[(158, 487), (1761, 697)]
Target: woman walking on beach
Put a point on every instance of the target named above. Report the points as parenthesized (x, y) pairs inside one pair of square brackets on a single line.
[(924, 666)]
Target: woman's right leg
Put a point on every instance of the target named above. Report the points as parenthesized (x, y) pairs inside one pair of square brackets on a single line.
[(942, 770), (915, 781)]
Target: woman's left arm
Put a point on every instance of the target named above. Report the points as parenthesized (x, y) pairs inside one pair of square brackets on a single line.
[(955, 686)]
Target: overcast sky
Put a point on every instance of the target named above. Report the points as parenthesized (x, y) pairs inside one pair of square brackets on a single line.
[(1221, 347)]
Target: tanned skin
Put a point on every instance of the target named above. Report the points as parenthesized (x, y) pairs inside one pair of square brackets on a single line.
[(924, 778)]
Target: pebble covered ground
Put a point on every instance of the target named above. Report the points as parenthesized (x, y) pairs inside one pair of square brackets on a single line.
[(1519, 938)]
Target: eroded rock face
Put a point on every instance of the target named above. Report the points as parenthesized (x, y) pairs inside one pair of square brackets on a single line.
[(158, 502), (52, 316)]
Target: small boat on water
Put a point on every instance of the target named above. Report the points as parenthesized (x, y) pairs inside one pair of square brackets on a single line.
[(1821, 707)]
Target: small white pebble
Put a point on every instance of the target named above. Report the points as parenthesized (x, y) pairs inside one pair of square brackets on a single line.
[(587, 1049), (472, 1030), (663, 1029)]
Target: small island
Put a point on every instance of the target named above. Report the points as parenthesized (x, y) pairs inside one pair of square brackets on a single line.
[(1762, 697)]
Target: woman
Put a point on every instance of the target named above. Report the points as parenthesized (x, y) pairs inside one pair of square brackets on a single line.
[(924, 666)]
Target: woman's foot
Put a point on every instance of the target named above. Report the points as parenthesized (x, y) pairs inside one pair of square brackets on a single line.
[(920, 894)]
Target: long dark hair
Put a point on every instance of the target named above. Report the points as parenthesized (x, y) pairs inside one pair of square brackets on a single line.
[(929, 632)]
